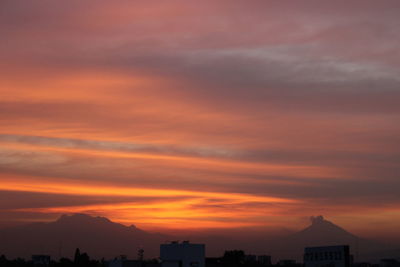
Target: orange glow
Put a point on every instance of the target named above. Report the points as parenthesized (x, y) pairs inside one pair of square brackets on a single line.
[(194, 207), (86, 189), (179, 115)]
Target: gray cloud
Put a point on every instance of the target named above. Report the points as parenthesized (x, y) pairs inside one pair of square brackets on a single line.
[(303, 70), (14, 201), (305, 83), (118, 146), (370, 178)]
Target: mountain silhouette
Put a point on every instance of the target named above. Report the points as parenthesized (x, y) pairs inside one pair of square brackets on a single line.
[(97, 236), (100, 237), (322, 232)]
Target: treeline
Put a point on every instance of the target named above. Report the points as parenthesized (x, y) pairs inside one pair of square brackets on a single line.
[(232, 258), (236, 258), (80, 260)]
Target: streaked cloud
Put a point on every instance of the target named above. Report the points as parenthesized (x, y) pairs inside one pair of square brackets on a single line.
[(219, 114)]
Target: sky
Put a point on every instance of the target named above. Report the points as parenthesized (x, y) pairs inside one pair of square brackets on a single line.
[(201, 115)]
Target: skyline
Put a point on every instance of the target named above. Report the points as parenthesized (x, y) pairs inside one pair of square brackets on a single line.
[(201, 116), (103, 238)]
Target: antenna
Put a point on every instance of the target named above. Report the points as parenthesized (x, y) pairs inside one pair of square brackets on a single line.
[(60, 250), (357, 256)]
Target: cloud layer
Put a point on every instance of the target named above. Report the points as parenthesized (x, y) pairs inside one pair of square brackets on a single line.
[(218, 114)]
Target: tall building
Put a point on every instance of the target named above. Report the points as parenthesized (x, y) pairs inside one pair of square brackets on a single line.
[(330, 256), (182, 254)]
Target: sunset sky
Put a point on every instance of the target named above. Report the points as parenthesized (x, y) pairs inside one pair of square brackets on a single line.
[(199, 115)]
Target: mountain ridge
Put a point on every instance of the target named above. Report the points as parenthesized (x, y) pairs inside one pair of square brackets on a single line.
[(100, 237)]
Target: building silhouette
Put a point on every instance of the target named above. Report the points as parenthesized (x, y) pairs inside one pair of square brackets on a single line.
[(183, 254), (329, 256)]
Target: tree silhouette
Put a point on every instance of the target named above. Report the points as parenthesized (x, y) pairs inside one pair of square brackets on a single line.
[(233, 258), (81, 259), (77, 255)]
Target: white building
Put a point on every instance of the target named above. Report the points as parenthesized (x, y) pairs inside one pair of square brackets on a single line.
[(330, 256), (182, 254)]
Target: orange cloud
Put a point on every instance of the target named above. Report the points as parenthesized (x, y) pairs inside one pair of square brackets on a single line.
[(202, 209), (185, 102)]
